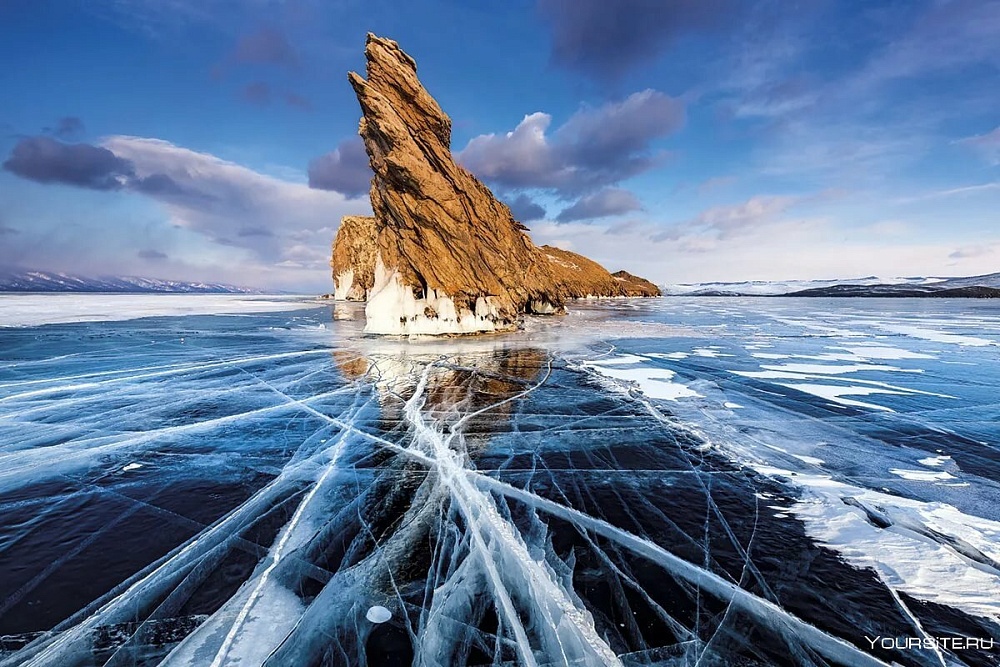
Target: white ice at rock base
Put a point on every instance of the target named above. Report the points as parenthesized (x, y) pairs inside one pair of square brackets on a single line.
[(393, 309), (540, 307), (342, 284)]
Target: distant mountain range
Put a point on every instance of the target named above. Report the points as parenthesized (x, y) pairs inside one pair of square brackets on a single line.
[(45, 281), (986, 286)]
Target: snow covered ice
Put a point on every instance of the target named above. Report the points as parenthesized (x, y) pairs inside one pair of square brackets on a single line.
[(685, 481)]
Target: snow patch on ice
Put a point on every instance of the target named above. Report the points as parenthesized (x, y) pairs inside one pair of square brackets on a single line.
[(801, 374), (836, 393), (619, 360), (829, 369), (653, 382), (937, 336), (378, 614), (883, 352), (931, 551), (934, 460), (709, 352), (922, 475), (670, 355)]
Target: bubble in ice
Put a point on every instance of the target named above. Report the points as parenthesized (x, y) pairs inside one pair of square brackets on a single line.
[(378, 614)]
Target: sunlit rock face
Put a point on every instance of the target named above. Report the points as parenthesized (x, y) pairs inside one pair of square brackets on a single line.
[(448, 257), (579, 277)]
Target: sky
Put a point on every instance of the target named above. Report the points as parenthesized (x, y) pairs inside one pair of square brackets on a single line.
[(683, 140)]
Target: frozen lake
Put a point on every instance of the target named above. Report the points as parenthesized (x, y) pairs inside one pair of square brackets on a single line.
[(235, 480)]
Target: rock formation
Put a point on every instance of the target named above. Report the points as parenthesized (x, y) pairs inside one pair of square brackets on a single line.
[(578, 277), (442, 255), (636, 286), (353, 259)]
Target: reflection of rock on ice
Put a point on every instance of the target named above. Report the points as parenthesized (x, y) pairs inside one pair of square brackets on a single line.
[(342, 312), (479, 375), (481, 562)]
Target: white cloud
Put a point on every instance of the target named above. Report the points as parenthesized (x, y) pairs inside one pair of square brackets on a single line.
[(987, 145), (595, 147), (603, 203), (864, 120), (236, 206), (946, 38), (973, 251), (963, 191), (724, 221), (775, 247), (891, 229)]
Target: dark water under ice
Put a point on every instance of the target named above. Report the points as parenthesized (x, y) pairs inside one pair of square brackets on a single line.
[(668, 482)]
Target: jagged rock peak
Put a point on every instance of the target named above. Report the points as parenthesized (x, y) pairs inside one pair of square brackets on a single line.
[(450, 257), (443, 254), (393, 72)]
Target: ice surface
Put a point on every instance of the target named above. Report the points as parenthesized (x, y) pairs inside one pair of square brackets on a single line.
[(262, 490), (29, 310), (939, 405)]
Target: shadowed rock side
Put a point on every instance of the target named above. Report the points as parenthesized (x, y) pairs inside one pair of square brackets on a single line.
[(353, 260), (448, 256), (636, 286)]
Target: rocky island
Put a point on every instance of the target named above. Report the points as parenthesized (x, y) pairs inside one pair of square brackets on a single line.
[(442, 255)]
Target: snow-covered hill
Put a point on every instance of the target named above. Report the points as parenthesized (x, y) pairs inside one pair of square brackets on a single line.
[(46, 281), (873, 284)]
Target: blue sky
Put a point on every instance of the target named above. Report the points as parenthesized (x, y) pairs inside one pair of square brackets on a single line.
[(691, 140)]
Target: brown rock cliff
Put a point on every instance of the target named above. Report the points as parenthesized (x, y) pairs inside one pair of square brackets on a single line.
[(636, 286), (353, 260), (442, 254), (579, 277)]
